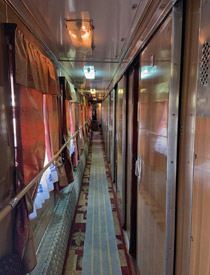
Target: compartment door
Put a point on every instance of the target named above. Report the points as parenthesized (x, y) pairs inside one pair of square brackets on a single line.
[(157, 150), (120, 145), (131, 180)]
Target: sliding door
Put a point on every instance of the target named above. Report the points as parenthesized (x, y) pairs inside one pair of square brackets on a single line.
[(120, 149), (157, 149), (131, 180)]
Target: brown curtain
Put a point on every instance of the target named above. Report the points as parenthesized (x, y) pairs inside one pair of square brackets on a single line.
[(32, 68)]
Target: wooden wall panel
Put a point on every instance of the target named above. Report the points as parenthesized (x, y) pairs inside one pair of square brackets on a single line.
[(200, 243)]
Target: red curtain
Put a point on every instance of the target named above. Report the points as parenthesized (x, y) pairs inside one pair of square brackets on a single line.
[(32, 132), (80, 136), (83, 121), (73, 122), (51, 125), (30, 158), (68, 121), (80, 115)]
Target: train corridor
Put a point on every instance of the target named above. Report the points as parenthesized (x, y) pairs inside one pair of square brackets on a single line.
[(134, 196), (96, 243)]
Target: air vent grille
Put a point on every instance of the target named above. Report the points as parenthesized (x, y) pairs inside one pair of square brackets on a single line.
[(204, 66)]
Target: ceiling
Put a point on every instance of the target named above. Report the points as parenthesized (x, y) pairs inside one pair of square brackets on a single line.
[(114, 22)]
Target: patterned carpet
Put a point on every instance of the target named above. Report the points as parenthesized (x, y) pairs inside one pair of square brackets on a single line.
[(75, 252)]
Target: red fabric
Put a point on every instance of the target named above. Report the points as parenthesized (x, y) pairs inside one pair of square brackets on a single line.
[(83, 114), (66, 119), (54, 125), (81, 135), (32, 132), (80, 115), (76, 112), (73, 122), (47, 130), (74, 107), (51, 125), (30, 158), (81, 120), (68, 122), (87, 112)]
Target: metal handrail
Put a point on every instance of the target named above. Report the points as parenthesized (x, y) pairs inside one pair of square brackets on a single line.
[(13, 202)]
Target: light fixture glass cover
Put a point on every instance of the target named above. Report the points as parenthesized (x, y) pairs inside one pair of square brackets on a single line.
[(89, 72), (81, 33)]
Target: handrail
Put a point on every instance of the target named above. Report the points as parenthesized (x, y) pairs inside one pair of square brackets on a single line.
[(13, 202)]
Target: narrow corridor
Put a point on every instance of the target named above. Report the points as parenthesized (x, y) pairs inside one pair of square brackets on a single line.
[(96, 242)]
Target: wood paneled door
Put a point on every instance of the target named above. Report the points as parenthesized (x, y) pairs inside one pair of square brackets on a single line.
[(131, 180), (157, 151)]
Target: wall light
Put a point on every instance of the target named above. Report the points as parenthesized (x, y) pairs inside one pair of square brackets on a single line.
[(89, 72)]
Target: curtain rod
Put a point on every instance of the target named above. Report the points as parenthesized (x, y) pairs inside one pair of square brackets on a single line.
[(13, 202)]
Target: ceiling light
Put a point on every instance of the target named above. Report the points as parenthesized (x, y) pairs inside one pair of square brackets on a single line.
[(81, 33), (85, 35), (89, 72), (93, 91)]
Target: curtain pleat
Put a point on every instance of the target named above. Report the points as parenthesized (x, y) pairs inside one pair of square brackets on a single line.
[(33, 69)]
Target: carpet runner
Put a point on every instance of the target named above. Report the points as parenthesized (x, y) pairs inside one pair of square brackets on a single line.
[(96, 245)]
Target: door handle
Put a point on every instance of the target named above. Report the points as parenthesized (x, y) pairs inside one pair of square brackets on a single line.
[(138, 169)]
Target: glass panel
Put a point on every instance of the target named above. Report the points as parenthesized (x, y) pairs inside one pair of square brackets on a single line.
[(153, 149)]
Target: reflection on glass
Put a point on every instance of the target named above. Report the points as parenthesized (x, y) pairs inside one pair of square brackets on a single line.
[(148, 71), (153, 148)]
